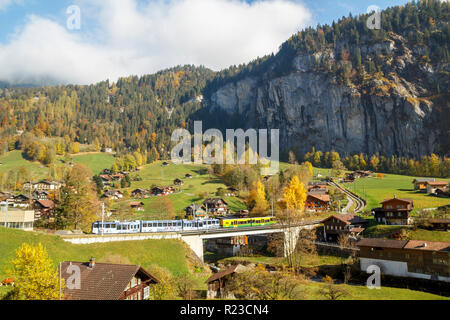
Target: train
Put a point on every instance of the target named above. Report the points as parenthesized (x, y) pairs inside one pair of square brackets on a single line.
[(140, 226)]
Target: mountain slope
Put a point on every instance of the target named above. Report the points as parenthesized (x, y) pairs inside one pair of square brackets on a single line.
[(350, 89)]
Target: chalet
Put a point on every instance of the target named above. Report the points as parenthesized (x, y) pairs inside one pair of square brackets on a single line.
[(394, 211), (106, 179), (136, 205), (347, 224), (316, 202), (40, 195), (43, 209), (317, 185), (45, 185), (362, 174), (420, 184), (188, 176), (217, 282), (105, 281), (140, 194), (231, 192), (118, 176), (349, 178), (21, 201), (216, 206), (162, 191), (113, 195), (407, 258), (318, 189), (432, 186), (439, 224), (178, 182), (195, 211)]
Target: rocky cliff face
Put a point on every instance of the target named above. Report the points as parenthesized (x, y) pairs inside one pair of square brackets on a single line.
[(391, 113)]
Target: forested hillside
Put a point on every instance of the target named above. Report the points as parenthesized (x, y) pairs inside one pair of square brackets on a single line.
[(339, 87)]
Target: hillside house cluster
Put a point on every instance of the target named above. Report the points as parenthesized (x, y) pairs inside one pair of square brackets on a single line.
[(432, 187), (407, 258), (43, 185), (351, 177)]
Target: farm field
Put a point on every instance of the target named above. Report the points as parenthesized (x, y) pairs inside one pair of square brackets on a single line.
[(375, 190), (14, 160), (170, 254), (95, 161)]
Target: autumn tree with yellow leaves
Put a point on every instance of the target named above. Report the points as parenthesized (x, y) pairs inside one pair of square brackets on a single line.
[(35, 276), (294, 195), (256, 200)]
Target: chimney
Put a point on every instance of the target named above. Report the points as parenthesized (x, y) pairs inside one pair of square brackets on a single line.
[(395, 196), (92, 263)]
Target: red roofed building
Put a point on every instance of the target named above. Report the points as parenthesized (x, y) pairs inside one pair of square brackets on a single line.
[(316, 202), (105, 281)]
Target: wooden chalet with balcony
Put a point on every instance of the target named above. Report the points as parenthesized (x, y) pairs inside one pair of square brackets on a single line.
[(394, 211), (345, 224), (317, 202)]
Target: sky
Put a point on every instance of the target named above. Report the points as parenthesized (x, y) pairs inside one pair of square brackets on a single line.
[(87, 41)]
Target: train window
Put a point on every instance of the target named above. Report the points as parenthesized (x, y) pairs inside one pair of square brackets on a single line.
[(159, 225)]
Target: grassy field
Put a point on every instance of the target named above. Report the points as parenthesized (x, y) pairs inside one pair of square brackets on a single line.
[(375, 190), (170, 254), (323, 260), (95, 161), (310, 291), (14, 160)]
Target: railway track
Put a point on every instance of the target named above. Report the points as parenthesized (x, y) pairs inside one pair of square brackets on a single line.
[(360, 203)]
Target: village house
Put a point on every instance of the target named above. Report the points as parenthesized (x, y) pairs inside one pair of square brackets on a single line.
[(394, 211), (347, 224), (316, 202), (432, 186), (188, 176), (16, 218), (420, 184), (106, 281), (20, 201), (178, 182), (195, 211), (162, 191), (216, 206), (349, 178), (442, 192), (140, 194), (231, 192), (137, 206), (217, 282), (43, 209), (40, 195), (407, 258), (43, 185), (362, 174), (113, 195), (106, 179)]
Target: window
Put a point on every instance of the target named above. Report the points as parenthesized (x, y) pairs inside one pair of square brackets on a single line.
[(146, 292)]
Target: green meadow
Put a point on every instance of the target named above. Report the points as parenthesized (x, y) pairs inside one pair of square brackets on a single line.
[(95, 161), (170, 254), (14, 160), (375, 190)]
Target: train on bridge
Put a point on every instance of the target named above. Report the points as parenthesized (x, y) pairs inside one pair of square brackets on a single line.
[(162, 226)]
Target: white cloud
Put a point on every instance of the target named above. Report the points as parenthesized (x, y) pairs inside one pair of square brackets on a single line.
[(131, 38), (6, 3)]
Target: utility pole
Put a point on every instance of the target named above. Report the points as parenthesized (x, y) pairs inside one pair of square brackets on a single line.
[(60, 281), (103, 216), (339, 206)]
